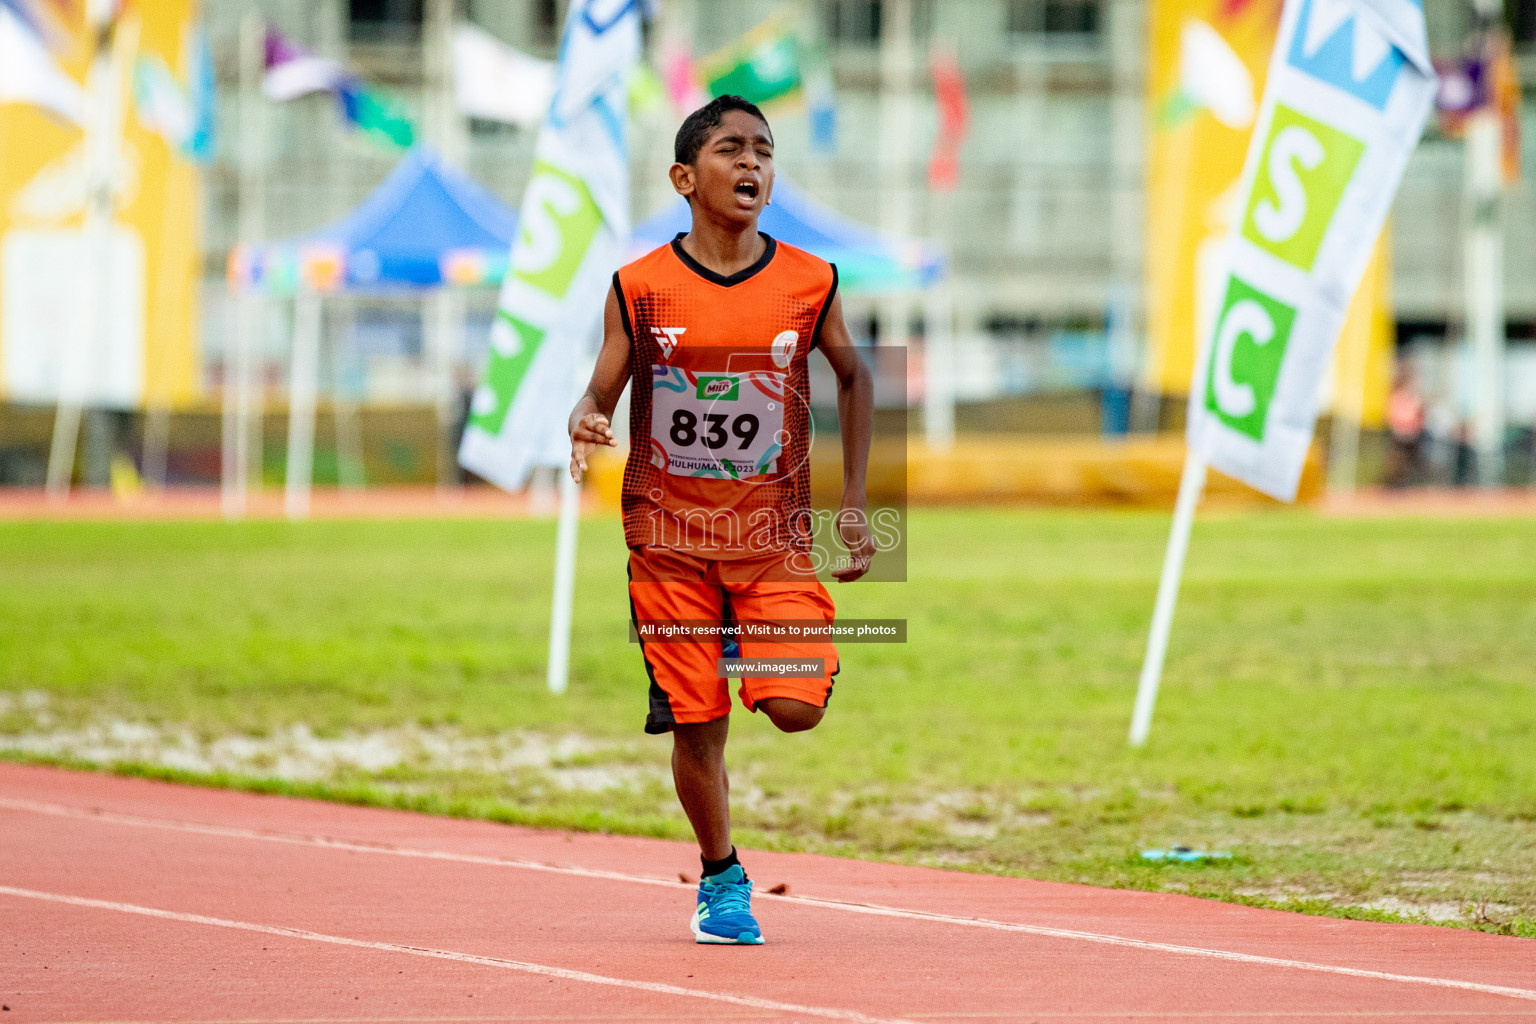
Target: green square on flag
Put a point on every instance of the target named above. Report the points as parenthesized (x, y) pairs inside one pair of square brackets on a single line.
[(1246, 357), (1301, 177)]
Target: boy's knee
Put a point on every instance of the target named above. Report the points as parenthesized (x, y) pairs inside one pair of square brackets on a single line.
[(790, 715), (701, 741)]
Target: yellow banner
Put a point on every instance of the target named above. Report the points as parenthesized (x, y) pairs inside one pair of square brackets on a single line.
[(1363, 360), (1209, 59), (148, 354)]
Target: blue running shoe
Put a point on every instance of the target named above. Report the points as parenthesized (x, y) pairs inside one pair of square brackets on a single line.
[(724, 914)]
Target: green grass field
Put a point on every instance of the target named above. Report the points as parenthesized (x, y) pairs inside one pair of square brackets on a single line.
[(1349, 706)]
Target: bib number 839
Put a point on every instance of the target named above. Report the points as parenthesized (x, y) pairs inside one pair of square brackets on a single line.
[(685, 429)]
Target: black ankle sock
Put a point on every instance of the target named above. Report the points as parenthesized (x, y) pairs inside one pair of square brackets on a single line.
[(714, 867)]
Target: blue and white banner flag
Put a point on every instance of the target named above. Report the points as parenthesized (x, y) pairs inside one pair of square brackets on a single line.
[(573, 230), (1350, 87), (182, 117), (203, 93), (163, 107)]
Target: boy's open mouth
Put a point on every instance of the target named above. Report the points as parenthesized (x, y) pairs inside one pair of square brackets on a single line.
[(747, 189)]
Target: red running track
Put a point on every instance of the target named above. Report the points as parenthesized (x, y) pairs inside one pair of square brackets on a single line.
[(127, 900)]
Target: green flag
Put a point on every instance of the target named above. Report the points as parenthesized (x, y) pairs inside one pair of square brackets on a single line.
[(761, 66), (377, 115)]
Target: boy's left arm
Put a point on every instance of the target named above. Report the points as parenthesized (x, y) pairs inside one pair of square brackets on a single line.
[(855, 411)]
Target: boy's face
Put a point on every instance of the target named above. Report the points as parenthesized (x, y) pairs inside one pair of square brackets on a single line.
[(732, 176)]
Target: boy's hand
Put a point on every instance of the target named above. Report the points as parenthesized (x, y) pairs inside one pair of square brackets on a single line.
[(853, 530), (592, 430)]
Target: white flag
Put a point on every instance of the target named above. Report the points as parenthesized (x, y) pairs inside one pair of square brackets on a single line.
[(1350, 86), (572, 233), (29, 75), (492, 80)]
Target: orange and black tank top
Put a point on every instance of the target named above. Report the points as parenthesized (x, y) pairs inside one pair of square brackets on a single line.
[(720, 425)]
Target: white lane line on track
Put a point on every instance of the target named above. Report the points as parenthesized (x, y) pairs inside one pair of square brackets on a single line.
[(752, 1002), (874, 909)]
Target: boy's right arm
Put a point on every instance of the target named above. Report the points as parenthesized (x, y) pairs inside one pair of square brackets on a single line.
[(589, 424)]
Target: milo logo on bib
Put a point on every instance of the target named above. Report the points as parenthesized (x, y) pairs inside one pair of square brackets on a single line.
[(720, 389)]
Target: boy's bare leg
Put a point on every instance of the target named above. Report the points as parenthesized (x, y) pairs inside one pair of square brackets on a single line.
[(698, 771), (791, 715)]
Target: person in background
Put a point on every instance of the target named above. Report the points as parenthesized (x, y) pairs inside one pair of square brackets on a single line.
[(1441, 424), (1405, 421)]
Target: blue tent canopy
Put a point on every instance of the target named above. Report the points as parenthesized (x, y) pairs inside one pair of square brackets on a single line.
[(426, 225), (866, 259)]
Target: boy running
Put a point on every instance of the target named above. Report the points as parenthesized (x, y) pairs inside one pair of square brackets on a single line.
[(714, 330)]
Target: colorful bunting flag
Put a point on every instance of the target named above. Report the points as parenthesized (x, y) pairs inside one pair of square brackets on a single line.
[(293, 71), (1476, 81), (646, 90), (681, 77), (820, 97), (823, 120), (954, 118), (376, 114)]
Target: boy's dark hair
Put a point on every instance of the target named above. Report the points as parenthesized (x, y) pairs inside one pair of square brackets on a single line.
[(697, 125)]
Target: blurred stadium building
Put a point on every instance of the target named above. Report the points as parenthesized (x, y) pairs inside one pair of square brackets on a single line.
[(1044, 229)]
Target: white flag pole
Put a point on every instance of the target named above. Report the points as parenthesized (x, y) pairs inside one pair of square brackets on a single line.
[(103, 126), (1484, 262), (1191, 485), (561, 605), (443, 313), (303, 383), (939, 368), (243, 419)]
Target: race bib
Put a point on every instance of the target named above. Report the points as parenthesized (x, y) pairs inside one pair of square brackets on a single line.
[(727, 426)]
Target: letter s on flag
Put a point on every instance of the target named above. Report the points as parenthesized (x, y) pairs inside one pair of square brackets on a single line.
[(1279, 221)]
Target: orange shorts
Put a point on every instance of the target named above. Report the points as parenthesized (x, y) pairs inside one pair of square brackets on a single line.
[(667, 586)]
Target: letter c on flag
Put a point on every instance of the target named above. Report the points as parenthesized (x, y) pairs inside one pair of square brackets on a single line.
[(1279, 221), (1233, 398)]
